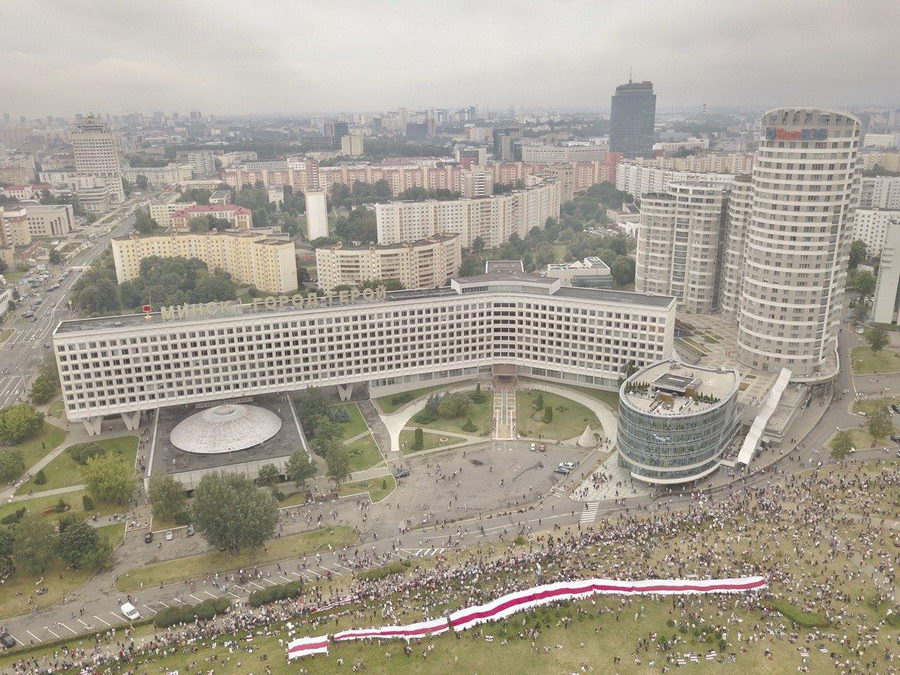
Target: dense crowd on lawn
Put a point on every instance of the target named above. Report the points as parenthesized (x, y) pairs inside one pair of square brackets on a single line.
[(824, 541)]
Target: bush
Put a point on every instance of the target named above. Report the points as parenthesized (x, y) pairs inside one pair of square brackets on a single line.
[(40, 477), (425, 416), (478, 396), (400, 399), (12, 464), (281, 592), (469, 426), (453, 405), (278, 494), (339, 415), (376, 573), (82, 452), (182, 518), (548, 414), (61, 506), (206, 610), (13, 517), (87, 502)]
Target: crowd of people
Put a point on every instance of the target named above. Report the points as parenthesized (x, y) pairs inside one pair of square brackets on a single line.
[(826, 541)]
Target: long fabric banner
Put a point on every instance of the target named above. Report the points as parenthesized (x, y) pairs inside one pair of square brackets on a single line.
[(521, 601), (541, 595), (307, 646)]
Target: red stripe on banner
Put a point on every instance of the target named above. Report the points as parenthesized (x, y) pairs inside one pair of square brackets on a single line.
[(310, 645), (357, 634), (514, 602)]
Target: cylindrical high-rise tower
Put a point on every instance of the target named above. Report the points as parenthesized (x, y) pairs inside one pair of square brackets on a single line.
[(797, 241)]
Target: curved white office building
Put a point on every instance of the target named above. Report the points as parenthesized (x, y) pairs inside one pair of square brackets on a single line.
[(523, 322)]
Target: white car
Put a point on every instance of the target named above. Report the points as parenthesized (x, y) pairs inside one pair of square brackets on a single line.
[(170, 535), (130, 612)]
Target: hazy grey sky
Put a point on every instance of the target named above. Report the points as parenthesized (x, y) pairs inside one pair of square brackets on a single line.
[(239, 56)]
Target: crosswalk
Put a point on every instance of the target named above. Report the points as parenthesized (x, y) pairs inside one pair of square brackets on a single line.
[(421, 552), (589, 513)]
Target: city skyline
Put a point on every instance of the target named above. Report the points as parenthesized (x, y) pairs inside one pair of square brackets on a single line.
[(286, 59)]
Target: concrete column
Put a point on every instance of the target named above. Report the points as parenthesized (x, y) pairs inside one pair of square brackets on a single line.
[(132, 420), (345, 391), (93, 425)]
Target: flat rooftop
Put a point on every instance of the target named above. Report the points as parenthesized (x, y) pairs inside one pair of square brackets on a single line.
[(667, 388)]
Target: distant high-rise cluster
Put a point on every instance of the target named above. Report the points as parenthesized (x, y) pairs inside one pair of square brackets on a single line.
[(631, 119)]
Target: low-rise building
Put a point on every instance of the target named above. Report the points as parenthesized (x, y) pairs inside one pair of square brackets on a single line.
[(220, 197), (592, 272), (49, 220), (14, 226), (255, 257), (159, 176), (164, 206), (553, 154), (676, 421), (240, 217), (427, 263)]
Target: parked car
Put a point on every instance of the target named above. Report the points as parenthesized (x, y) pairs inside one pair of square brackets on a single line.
[(190, 530), (170, 535), (401, 473), (895, 438), (148, 537), (533, 447), (895, 408), (562, 469), (542, 447), (129, 611), (7, 640)]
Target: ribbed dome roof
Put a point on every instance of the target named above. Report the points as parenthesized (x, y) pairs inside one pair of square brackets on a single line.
[(225, 428)]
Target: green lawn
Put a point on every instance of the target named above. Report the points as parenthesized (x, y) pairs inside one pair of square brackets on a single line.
[(12, 604), (871, 405), (569, 417), (364, 453), (378, 488), (431, 441), (40, 444), (73, 499), (862, 439), (865, 362), (63, 471), (482, 415), (203, 564), (5, 334), (388, 404), (57, 409), (356, 425), (295, 499), (610, 398)]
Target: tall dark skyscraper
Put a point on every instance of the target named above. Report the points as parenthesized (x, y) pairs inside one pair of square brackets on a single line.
[(632, 113)]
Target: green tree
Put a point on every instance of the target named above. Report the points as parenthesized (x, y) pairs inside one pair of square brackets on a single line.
[(109, 478), (141, 182), (477, 245), (864, 283), (268, 475), (857, 253), (54, 257), (19, 422), (419, 441), (880, 425), (538, 401), (299, 468), (548, 414), (34, 543), (622, 270), (78, 544), (842, 445), (232, 513), (42, 390), (454, 405), (860, 311), (338, 461), (143, 223), (878, 338), (167, 497), (12, 464)]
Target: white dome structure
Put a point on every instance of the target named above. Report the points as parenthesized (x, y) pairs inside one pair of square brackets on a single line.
[(587, 439), (225, 428)]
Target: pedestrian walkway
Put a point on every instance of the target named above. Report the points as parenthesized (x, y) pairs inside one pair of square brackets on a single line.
[(505, 411), (589, 514), (47, 493)]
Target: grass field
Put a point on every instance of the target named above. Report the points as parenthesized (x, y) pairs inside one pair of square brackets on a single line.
[(482, 415), (430, 441), (378, 488), (569, 417), (865, 362), (610, 398), (196, 566), (5, 334), (57, 409), (40, 444), (356, 425), (12, 604), (871, 405), (862, 439), (388, 406), (364, 453), (73, 499), (64, 471)]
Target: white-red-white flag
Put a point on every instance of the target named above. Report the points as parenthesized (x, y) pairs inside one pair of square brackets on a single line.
[(306, 646)]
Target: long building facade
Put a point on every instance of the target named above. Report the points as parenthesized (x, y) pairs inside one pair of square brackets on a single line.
[(797, 241), (419, 264), (250, 257), (387, 342), (491, 219)]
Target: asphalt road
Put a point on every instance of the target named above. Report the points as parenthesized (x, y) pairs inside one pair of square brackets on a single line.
[(23, 352)]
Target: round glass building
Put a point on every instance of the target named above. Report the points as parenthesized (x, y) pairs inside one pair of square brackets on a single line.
[(676, 421)]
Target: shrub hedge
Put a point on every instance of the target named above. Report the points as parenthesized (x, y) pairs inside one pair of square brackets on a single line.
[(376, 573), (281, 592), (188, 613)]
